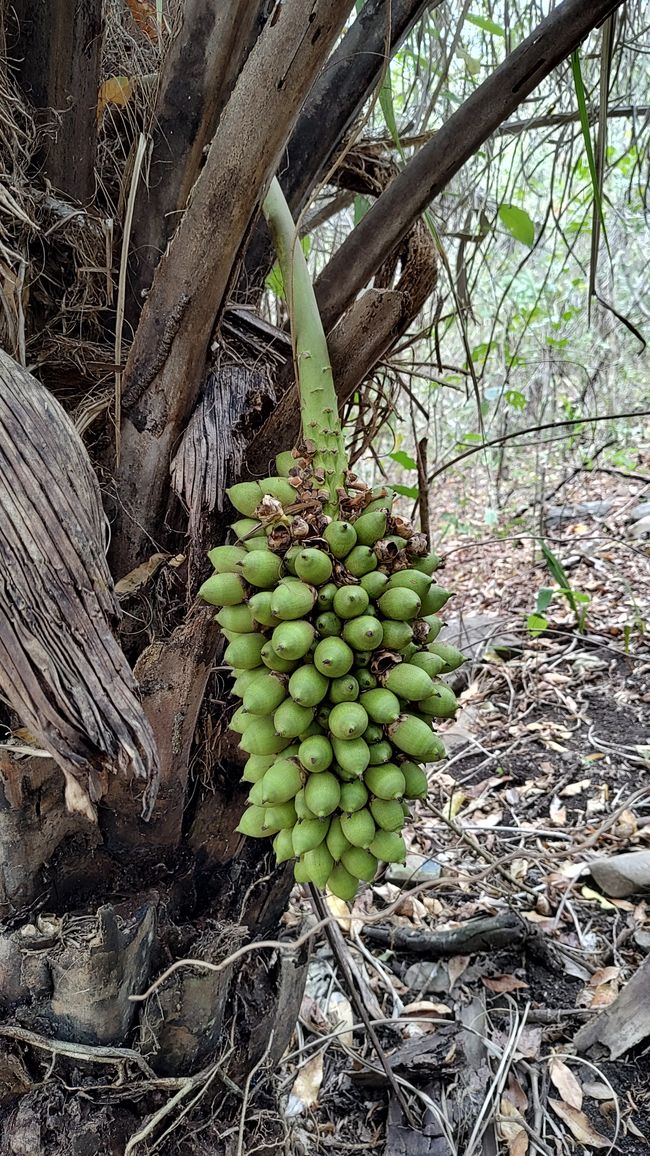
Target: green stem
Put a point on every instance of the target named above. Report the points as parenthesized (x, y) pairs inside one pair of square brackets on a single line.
[(318, 402)]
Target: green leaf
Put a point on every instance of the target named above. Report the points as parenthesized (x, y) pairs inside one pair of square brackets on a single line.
[(407, 491), (388, 109), (403, 459), (275, 281), (536, 623), (472, 64), (361, 206), (485, 24), (515, 399), (586, 136), (544, 599), (518, 223)]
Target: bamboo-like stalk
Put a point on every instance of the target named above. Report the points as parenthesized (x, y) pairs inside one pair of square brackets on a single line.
[(321, 427)]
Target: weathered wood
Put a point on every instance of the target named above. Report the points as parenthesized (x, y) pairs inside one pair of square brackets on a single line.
[(625, 1023), (488, 933), (57, 47)]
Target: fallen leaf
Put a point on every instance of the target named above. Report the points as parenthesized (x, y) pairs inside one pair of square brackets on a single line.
[(573, 789), (145, 16), (502, 983), (306, 1086), (604, 975), (136, 579), (579, 1126), (340, 1016), (598, 1091), (340, 910), (557, 813), (596, 897), (566, 1083), (511, 1130), (515, 1093), (455, 968), (631, 1127), (529, 1044), (426, 1007), (116, 90)]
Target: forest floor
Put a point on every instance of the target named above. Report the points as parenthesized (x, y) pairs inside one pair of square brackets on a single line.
[(529, 1031)]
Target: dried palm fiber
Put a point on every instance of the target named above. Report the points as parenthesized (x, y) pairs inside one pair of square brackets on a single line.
[(61, 669)]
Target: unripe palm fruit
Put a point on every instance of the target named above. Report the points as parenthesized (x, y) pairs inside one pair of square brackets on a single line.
[(411, 580), (284, 463), (260, 607), (359, 827), (225, 559), (236, 618), (265, 693), (281, 782), (256, 767), (417, 786), (435, 626), (435, 599), (252, 823), (380, 753), (362, 659), (342, 884), (256, 544), (374, 583), (279, 815), (307, 834), (291, 719), (373, 733), (415, 737), (313, 566), (333, 657), (240, 720), (409, 682), (323, 714), (340, 537), (361, 560), (350, 601), (428, 564), (318, 864), (354, 796), (431, 663), (290, 558), (325, 596), (451, 657), (328, 624), (387, 814), (365, 679), (382, 499), (244, 679), (256, 795), (322, 793), (441, 703), (336, 840), (344, 689), (316, 754), (260, 738), (370, 527), (381, 705), (307, 686), (386, 782), (261, 568), (301, 872), (348, 720), (292, 599), (401, 604), (352, 755), (278, 488), (361, 863), (223, 590), (302, 810), (364, 633), (283, 846), (292, 640), (389, 846), (245, 528), (245, 651), (397, 635), (274, 662), (245, 497)]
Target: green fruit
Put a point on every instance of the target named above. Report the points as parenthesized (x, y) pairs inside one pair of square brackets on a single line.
[(361, 560), (302, 810), (336, 840), (308, 686), (386, 782), (307, 834), (396, 634), (401, 604), (381, 705), (364, 633), (333, 657), (291, 719), (432, 663), (280, 489), (260, 608), (281, 782), (237, 618), (362, 659), (442, 703), (328, 625), (342, 884), (387, 814), (325, 596), (301, 872), (349, 601), (315, 753), (409, 682), (435, 626), (352, 755), (345, 689), (318, 865), (290, 558), (322, 793), (380, 753), (226, 559), (417, 786), (258, 543), (354, 796), (359, 827), (415, 737), (373, 733), (265, 693), (283, 846), (348, 720), (340, 537), (323, 714), (279, 815), (244, 679), (292, 599), (374, 583), (382, 499), (240, 720), (223, 590), (256, 795), (411, 580), (245, 497), (284, 463), (256, 767), (313, 566), (361, 863), (389, 846), (261, 568), (451, 657), (427, 564), (252, 823), (273, 661), (292, 640), (245, 651), (245, 528), (371, 527), (435, 599), (260, 738), (365, 680)]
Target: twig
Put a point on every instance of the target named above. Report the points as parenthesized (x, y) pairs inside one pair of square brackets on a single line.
[(477, 935), (86, 1052), (423, 489), (247, 1087)]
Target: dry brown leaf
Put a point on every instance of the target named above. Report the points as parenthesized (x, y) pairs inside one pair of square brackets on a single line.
[(597, 1090), (116, 90), (631, 1127), (455, 968), (340, 1016), (573, 789), (515, 1093), (425, 1007), (306, 1086), (511, 1130), (579, 1126), (340, 910), (145, 16), (566, 1083), (136, 579), (529, 1043), (503, 983)]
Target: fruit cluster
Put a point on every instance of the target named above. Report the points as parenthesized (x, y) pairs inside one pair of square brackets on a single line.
[(332, 628)]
